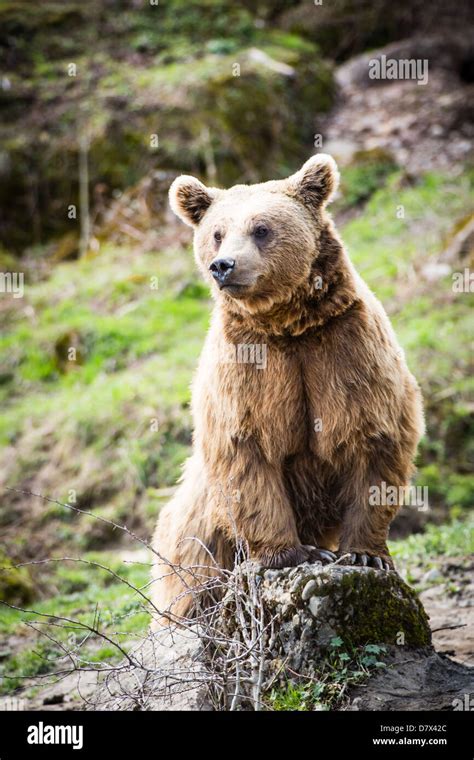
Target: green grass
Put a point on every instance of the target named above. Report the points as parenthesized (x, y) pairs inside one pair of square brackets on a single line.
[(386, 248), (455, 538), (128, 391), (433, 324), (87, 595), (106, 309), (368, 173)]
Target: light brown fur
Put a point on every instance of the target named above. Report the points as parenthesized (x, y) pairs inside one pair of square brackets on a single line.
[(260, 470)]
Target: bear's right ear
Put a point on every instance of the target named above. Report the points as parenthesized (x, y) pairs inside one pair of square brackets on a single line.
[(190, 199), (315, 184)]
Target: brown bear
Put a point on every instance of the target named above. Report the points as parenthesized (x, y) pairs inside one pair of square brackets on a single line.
[(302, 403)]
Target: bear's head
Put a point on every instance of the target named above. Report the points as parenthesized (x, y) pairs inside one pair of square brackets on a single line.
[(256, 244)]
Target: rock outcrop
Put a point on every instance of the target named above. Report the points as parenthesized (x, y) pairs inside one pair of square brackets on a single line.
[(279, 623), (312, 605)]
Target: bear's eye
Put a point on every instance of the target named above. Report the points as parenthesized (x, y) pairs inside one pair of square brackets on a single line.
[(260, 231), (218, 236)]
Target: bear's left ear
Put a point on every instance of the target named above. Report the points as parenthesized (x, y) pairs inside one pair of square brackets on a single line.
[(190, 199), (316, 182)]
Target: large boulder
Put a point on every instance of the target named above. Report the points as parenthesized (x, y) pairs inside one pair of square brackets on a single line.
[(269, 626), (313, 605)]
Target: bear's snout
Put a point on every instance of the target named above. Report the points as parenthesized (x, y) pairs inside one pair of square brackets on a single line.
[(221, 270)]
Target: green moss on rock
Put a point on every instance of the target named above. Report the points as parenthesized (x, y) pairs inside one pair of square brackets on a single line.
[(16, 585), (359, 605), (384, 609), (241, 99)]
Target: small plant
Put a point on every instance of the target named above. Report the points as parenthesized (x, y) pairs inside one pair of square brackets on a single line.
[(342, 666)]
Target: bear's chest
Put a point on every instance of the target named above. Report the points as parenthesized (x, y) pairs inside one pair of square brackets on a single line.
[(269, 393)]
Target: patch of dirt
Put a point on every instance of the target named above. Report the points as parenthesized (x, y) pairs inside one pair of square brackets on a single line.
[(416, 680), (448, 598)]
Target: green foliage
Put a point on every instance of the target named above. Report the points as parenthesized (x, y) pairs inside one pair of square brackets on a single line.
[(367, 173), (169, 67), (455, 538), (338, 670)]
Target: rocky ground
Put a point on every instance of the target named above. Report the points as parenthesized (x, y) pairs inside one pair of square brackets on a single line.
[(448, 598), (416, 677), (423, 126)]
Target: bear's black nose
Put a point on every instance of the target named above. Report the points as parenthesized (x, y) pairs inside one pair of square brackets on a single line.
[(221, 269)]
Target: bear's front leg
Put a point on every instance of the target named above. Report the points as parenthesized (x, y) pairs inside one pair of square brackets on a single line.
[(364, 549), (251, 504), (364, 546), (365, 525)]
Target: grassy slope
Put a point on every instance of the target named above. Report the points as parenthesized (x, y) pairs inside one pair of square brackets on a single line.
[(127, 391), (86, 425), (434, 325)]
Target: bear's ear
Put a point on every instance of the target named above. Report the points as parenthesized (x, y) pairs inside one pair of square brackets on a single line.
[(190, 199), (316, 182)]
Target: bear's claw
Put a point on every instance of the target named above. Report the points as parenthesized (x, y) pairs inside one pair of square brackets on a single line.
[(323, 555), (295, 555), (368, 560), (289, 557)]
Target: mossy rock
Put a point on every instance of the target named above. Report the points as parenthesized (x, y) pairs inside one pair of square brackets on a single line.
[(373, 606), (233, 117), (16, 585), (311, 605)]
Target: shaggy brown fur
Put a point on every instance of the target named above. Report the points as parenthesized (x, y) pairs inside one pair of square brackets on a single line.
[(284, 455)]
